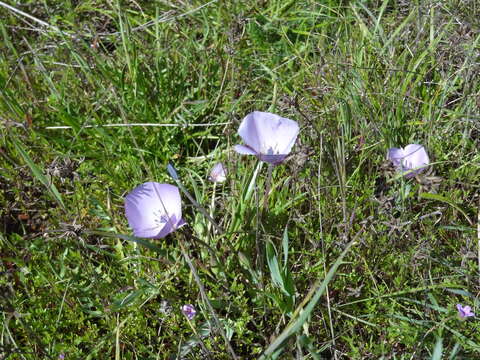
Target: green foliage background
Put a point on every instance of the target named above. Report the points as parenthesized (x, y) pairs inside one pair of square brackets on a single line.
[(359, 77)]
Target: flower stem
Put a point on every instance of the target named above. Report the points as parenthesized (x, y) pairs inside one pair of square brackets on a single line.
[(268, 186), (212, 208), (205, 297)]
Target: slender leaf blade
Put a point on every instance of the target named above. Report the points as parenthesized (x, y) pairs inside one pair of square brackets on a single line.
[(430, 196), (273, 264), (39, 174), (438, 350), (303, 313)]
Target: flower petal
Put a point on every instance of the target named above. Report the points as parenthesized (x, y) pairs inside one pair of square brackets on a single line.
[(411, 160), (245, 150), (189, 311), (169, 227), (464, 311), (416, 159), (395, 155), (249, 133), (272, 159), (415, 156), (153, 210), (277, 135), (268, 134)]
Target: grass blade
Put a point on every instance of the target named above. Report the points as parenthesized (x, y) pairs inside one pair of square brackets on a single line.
[(304, 312), (446, 200), (136, 240), (39, 174), (272, 262), (437, 351), (285, 248)]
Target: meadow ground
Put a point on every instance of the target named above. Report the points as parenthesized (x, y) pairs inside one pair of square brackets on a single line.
[(341, 258)]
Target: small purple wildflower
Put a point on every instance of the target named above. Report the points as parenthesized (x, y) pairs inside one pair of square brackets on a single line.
[(61, 356), (218, 173), (464, 311), (189, 311), (410, 160)]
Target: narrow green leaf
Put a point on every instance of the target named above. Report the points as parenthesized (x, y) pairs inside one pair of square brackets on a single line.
[(446, 200), (363, 28), (273, 264), (398, 30), (438, 350), (306, 342), (458, 228), (246, 264), (454, 352), (302, 313), (288, 284), (464, 338), (285, 248), (38, 174), (251, 185), (137, 240), (126, 300)]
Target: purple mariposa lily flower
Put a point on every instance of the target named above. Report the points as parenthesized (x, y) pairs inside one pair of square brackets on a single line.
[(411, 160), (267, 136), (218, 173), (154, 210), (464, 311)]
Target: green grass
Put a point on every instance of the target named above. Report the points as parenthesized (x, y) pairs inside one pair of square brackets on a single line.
[(348, 261)]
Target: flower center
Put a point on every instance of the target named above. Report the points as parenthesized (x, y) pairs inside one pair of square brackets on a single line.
[(160, 218)]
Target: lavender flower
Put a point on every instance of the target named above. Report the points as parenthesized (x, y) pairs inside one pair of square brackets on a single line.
[(411, 160), (218, 173), (464, 311), (154, 210), (267, 136), (189, 311)]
